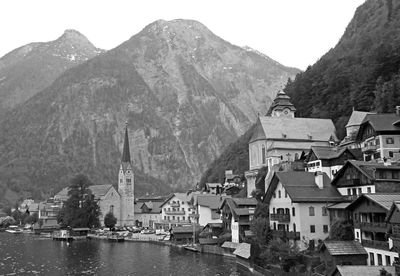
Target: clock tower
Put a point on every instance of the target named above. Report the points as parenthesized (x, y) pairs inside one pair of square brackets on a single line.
[(126, 183), (281, 106)]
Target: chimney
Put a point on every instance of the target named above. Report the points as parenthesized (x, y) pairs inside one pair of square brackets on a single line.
[(398, 110), (319, 179)]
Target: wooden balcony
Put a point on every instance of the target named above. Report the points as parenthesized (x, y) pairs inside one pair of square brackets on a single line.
[(369, 148), (174, 212), (376, 244), (280, 217), (372, 226), (285, 234)]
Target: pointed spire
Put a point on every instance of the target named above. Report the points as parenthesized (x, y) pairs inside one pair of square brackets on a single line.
[(126, 155)]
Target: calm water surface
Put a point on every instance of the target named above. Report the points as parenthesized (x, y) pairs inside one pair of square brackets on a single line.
[(27, 254)]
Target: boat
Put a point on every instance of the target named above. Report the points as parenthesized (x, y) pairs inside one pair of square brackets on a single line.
[(191, 247), (115, 238), (13, 229)]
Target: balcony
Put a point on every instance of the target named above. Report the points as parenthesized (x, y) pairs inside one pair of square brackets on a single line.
[(280, 217), (174, 204), (376, 244), (174, 221), (174, 212), (369, 148), (285, 234), (374, 226)]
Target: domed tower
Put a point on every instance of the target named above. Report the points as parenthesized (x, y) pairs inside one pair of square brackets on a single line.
[(126, 182), (281, 106)]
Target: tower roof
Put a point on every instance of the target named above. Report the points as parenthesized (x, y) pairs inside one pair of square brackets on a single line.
[(281, 101), (126, 155)]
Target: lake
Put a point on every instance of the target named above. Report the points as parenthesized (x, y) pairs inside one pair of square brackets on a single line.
[(27, 254)]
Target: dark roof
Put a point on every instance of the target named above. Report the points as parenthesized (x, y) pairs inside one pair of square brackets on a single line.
[(383, 200), (366, 168), (126, 155), (240, 201), (185, 229), (301, 187), (395, 206), (235, 203), (328, 152), (387, 123), (100, 190), (281, 101), (214, 225), (336, 248), (211, 201)]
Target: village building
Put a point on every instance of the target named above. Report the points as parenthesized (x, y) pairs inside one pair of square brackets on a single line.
[(393, 220), (237, 214), (298, 204), (329, 159), (214, 188), (369, 214), (379, 136), (335, 253), (352, 127), (47, 213), (360, 177), (207, 208), (148, 211), (118, 202), (356, 270), (280, 137), (176, 210)]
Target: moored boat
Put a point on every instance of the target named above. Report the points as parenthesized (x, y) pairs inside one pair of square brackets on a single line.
[(13, 229)]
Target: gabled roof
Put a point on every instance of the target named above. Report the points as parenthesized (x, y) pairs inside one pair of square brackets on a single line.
[(235, 203), (185, 197), (364, 270), (383, 200), (309, 129), (301, 187), (153, 206), (387, 123), (366, 168), (327, 153), (336, 248), (395, 207), (211, 201), (97, 190), (357, 118)]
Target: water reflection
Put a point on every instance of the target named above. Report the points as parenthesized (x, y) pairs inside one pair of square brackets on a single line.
[(30, 255)]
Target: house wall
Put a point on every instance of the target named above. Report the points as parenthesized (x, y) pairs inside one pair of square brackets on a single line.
[(235, 230), (111, 198), (383, 253), (148, 219), (364, 190), (183, 206), (205, 215)]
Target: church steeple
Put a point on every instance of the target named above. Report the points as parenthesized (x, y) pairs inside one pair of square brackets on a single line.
[(281, 106), (126, 155)]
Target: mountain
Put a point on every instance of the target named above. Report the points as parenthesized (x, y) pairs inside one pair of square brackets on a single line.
[(30, 68), (361, 71), (185, 93)]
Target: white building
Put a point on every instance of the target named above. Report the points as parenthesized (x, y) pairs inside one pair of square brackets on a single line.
[(207, 208), (298, 206), (177, 210)]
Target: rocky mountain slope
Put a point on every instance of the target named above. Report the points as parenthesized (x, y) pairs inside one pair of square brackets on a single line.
[(185, 93), (361, 71), (30, 68)]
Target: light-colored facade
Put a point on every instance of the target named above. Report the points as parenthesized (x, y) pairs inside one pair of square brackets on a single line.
[(177, 210)]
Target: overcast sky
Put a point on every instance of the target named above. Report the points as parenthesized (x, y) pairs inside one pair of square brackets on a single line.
[(293, 32)]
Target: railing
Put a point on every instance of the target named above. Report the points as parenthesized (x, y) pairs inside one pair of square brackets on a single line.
[(286, 234), (376, 244), (369, 148), (175, 221), (174, 204), (280, 217), (174, 212), (372, 226)]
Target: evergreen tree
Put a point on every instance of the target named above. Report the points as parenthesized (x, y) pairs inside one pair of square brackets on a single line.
[(110, 220), (81, 209)]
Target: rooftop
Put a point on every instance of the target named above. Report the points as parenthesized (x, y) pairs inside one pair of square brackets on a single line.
[(336, 248), (211, 201), (357, 270), (243, 250), (384, 200), (357, 118)]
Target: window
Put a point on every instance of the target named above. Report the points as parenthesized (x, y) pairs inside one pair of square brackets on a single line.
[(390, 153), (165, 217), (286, 194), (279, 194), (369, 190), (324, 211), (387, 259), (371, 258), (274, 195), (325, 228), (128, 180), (311, 211), (263, 154), (293, 211), (389, 140), (348, 192), (312, 228), (359, 191), (294, 227), (178, 218), (354, 191), (112, 209), (273, 210), (379, 259), (395, 174), (120, 180)]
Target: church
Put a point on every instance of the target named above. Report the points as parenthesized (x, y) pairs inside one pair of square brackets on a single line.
[(280, 136), (119, 202)]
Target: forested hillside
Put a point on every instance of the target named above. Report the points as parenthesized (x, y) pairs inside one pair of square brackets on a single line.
[(362, 71)]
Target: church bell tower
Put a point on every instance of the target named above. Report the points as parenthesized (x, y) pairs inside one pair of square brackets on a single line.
[(126, 183), (281, 107)]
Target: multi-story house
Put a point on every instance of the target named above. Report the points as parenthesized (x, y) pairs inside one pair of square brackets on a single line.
[(207, 208), (360, 177), (298, 206), (177, 210), (329, 159), (379, 136), (148, 211), (393, 219), (237, 214), (369, 214), (282, 137), (352, 127)]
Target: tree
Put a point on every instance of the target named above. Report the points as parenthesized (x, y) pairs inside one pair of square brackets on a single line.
[(7, 210), (342, 231), (110, 220), (80, 209), (31, 219)]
